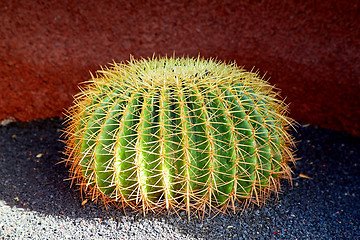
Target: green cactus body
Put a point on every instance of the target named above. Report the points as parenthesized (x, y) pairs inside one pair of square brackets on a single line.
[(174, 134)]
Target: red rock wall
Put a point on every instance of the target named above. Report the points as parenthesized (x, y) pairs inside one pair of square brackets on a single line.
[(310, 49)]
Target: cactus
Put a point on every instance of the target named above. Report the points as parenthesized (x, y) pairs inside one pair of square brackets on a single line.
[(170, 134)]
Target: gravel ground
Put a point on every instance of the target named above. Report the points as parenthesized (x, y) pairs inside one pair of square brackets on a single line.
[(36, 202)]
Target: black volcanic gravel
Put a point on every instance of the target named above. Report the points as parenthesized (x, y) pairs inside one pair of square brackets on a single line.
[(36, 202)]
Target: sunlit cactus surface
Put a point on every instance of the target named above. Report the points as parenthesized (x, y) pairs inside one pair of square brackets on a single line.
[(170, 134)]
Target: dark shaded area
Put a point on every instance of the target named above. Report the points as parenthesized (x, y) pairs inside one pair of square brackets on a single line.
[(310, 49), (36, 201)]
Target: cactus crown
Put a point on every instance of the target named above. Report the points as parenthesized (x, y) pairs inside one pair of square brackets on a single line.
[(178, 133)]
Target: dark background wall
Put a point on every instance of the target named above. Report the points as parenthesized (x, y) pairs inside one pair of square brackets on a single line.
[(310, 49)]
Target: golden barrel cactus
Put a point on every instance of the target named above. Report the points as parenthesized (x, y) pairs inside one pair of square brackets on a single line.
[(178, 134)]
